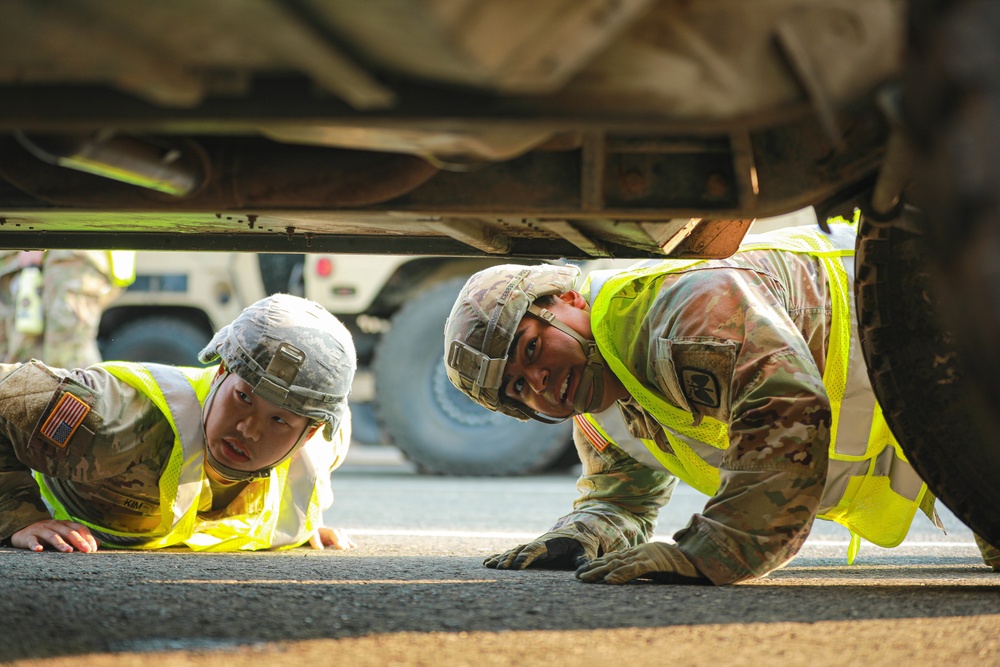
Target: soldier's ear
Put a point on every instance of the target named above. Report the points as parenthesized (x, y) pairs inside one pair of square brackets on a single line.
[(574, 299)]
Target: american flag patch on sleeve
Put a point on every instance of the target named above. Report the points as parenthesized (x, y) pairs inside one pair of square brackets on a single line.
[(599, 442), (64, 419)]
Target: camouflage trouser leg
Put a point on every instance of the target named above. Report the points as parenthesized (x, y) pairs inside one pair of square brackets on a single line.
[(7, 302), (74, 294), (991, 555)]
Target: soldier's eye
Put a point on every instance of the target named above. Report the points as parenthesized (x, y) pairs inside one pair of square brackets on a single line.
[(518, 385), (529, 349), (243, 396)]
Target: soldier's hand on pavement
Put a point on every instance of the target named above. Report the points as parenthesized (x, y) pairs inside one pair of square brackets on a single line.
[(331, 537), (663, 563), (565, 549), (65, 536)]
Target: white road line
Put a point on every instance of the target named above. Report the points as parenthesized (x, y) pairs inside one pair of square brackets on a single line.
[(393, 532), (868, 545)]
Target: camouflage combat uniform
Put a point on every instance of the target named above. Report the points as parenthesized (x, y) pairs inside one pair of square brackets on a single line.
[(744, 341), (108, 472), (77, 287)]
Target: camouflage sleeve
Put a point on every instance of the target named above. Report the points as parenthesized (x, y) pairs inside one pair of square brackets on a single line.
[(20, 501), (106, 447), (730, 350), (620, 498)]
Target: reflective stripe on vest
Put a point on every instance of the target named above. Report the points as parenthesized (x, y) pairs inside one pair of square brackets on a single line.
[(870, 487), (183, 409)]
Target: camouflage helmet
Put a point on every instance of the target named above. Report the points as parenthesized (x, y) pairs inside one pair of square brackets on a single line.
[(483, 321), (293, 353)]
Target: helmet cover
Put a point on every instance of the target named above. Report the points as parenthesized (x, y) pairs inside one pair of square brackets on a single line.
[(293, 353)]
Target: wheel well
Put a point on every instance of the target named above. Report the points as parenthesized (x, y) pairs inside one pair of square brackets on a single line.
[(114, 318)]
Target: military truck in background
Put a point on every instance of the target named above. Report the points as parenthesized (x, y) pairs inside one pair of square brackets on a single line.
[(395, 307)]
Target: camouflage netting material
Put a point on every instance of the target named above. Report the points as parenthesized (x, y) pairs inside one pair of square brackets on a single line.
[(293, 353), (482, 323)]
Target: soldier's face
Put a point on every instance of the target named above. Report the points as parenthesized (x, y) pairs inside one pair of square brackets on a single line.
[(246, 432), (545, 365)]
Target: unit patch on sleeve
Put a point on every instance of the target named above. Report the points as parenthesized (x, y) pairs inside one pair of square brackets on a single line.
[(64, 420), (696, 375), (700, 387)]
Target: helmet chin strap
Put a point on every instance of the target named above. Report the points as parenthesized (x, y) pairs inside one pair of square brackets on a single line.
[(591, 384), (232, 474)]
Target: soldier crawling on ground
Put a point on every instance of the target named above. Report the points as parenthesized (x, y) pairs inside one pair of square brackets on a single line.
[(741, 376), (233, 456)]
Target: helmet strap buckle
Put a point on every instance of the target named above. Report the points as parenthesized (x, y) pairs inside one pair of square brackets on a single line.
[(484, 372), (280, 373)]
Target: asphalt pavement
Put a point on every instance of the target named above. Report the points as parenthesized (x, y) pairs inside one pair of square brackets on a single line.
[(415, 593)]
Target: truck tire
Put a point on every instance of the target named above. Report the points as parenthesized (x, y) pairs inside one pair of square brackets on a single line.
[(951, 109), (437, 427), (157, 339), (918, 376), (282, 273)]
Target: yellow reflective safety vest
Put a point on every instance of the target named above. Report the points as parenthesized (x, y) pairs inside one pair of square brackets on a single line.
[(121, 267), (291, 499), (117, 265), (870, 489)]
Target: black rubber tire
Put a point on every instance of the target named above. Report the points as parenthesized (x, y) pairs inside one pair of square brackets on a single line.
[(437, 427), (364, 425), (157, 339), (919, 378), (952, 109), (282, 273)]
